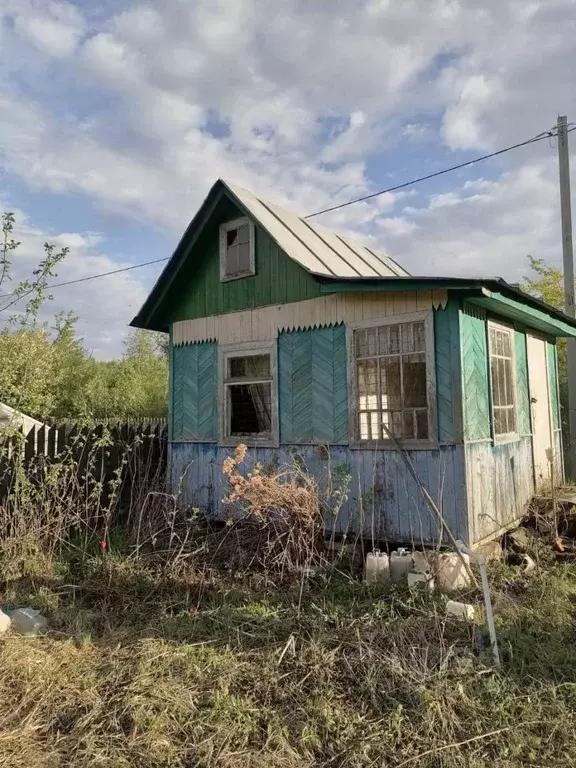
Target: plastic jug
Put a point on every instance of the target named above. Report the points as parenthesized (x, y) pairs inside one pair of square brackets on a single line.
[(450, 571), (400, 564), (377, 567)]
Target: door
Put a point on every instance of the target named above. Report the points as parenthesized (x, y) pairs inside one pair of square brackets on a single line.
[(540, 409)]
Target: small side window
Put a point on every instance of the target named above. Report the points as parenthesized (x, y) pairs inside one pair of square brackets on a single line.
[(236, 249), (502, 380)]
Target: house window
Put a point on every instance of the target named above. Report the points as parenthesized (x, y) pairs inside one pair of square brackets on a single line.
[(502, 379), (392, 381), (236, 249), (249, 396)]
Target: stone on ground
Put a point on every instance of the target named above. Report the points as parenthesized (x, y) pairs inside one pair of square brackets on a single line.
[(28, 621)]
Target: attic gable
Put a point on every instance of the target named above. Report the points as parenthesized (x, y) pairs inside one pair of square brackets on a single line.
[(291, 254)]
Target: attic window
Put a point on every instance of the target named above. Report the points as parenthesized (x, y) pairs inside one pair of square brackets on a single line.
[(236, 249)]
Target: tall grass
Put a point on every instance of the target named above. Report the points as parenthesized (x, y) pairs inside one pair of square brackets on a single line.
[(158, 655)]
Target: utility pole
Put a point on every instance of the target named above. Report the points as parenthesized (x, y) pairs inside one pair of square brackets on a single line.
[(569, 304)]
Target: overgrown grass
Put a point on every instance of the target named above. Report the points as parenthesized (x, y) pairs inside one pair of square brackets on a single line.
[(154, 667)]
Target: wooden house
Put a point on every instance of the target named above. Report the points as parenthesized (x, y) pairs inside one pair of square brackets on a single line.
[(297, 341)]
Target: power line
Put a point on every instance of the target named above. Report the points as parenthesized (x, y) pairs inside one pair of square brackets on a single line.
[(540, 137), (105, 274)]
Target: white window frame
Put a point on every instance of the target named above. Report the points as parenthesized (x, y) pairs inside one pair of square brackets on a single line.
[(247, 349), (224, 229), (432, 440), (506, 437)]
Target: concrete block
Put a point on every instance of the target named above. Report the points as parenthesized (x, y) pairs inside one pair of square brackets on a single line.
[(461, 610)]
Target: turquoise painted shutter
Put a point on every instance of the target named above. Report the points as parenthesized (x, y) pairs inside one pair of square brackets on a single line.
[(194, 392), (522, 391), (476, 394), (446, 349), (312, 386)]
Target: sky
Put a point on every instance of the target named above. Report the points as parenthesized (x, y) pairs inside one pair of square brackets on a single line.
[(117, 117)]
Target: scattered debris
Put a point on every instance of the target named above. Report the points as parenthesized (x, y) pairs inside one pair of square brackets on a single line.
[(520, 540), (422, 561), (462, 610), (420, 579), (28, 621), (491, 550), (559, 545), (528, 564), (5, 622)]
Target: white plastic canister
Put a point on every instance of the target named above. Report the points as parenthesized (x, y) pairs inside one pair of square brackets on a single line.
[(377, 567), (400, 564)]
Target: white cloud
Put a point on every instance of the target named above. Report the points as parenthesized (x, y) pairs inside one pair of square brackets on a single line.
[(52, 27), (295, 101)]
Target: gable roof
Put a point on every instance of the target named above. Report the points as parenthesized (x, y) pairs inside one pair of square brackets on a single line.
[(319, 250)]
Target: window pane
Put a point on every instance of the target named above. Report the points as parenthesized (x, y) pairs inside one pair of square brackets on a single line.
[(414, 380), (250, 409), (375, 425), (397, 424), (509, 382), (391, 396), (232, 260), (495, 361), (231, 237), (499, 427), (422, 425), (507, 343), (367, 386), (407, 337), (250, 366), (371, 340), (244, 257), (408, 424), (419, 337), (389, 339), (360, 343), (243, 234), (364, 428)]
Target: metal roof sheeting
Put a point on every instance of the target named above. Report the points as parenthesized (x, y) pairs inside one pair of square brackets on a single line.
[(316, 248)]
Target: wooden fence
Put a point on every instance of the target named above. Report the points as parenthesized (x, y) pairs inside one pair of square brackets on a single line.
[(132, 455)]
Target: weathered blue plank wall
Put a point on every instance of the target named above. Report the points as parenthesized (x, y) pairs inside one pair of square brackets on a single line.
[(499, 483), (312, 386), (384, 502)]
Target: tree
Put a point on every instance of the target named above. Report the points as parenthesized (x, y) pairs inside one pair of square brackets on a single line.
[(47, 373), (547, 284)]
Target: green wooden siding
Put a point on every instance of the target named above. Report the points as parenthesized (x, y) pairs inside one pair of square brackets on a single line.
[(312, 386), (474, 360), (198, 291), (446, 344), (553, 384), (194, 392), (522, 388)]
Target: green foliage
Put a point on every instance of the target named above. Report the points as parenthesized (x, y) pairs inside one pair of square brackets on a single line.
[(546, 283), (47, 372)]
